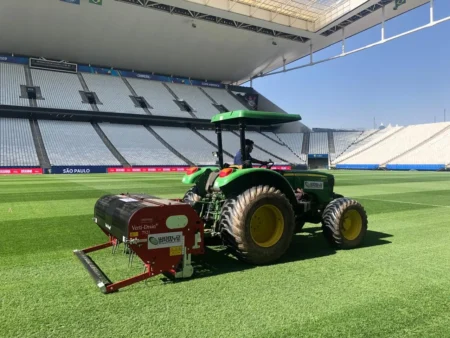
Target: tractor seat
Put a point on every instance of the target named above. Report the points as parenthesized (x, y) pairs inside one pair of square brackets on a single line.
[(227, 165)]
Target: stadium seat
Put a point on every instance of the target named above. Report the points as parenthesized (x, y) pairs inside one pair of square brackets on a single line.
[(16, 144), (113, 94), (399, 141), (318, 143), (221, 96), (12, 76), (74, 143), (138, 146), (295, 142), (158, 97), (190, 145), (342, 141), (59, 90), (202, 105)]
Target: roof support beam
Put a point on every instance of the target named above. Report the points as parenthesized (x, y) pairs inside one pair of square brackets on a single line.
[(217, 19), (312, 62), (431, 11)]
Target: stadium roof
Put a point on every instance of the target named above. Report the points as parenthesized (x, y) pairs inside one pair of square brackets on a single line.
[(219, 40)]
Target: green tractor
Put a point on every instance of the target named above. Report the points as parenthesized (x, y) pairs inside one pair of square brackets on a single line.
[(255, 212)]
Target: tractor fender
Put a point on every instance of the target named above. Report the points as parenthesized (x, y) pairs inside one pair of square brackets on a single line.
[(195, 176), (243, 179)]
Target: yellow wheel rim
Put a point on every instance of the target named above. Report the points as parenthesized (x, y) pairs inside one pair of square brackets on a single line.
[(352, 224), (267, 225)]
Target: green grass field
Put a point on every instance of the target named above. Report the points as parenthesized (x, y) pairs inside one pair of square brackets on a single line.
[(397, 285)]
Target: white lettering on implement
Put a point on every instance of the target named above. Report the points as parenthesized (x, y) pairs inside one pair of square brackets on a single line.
[(165, 240), (144, 227), (313, 185)]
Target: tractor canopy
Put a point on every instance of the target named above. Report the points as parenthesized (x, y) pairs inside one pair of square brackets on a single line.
[(254, 118)]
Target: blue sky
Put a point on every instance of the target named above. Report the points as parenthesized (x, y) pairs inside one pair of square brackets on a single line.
[(405, 81)]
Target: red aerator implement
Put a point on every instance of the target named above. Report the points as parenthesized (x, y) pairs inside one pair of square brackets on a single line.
[(255, 212), (164, 234)]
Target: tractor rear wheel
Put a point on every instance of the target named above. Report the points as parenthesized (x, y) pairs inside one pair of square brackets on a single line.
[(344, 223), (258, 225)]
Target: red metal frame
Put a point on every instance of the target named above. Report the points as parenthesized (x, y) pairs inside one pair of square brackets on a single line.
[(160, 260), (125, 282)]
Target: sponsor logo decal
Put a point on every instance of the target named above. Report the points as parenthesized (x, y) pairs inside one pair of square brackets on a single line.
[(165, 240)]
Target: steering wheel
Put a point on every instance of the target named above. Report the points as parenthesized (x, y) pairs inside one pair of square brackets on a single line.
[(269, 164)]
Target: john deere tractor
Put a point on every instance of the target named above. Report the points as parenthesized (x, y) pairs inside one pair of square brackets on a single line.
[(256, 211)]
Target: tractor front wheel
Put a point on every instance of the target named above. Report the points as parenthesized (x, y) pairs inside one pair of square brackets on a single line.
[(344, 223), (258, 225)]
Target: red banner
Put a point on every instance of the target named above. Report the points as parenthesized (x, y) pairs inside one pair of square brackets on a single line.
[(171, 169), (25, 171)]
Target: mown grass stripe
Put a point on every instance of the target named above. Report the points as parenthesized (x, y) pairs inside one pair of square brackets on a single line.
[(394, 286)]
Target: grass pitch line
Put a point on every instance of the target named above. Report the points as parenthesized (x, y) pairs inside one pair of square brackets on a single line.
[(403, 202)]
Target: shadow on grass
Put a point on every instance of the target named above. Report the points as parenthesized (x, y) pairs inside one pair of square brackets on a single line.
[(309, 244)]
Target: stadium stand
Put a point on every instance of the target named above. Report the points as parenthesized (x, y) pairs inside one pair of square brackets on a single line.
[(224, 98), (16, 144), (318, 143), (74, 143), (432, 153), (59, 90), (396, 144), (231, 144), (274, 148), (342, 141), (190, 145), (158, 97), (202, 106), (62, 91), (11, 78), (79, 143), (294, 141), (138, 146), (366, 142), (113, 94)]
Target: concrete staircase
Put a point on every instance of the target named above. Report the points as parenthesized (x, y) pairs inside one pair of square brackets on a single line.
[(110, 146), (331, 147), (41, 152), (305, 144), (168, 146)]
